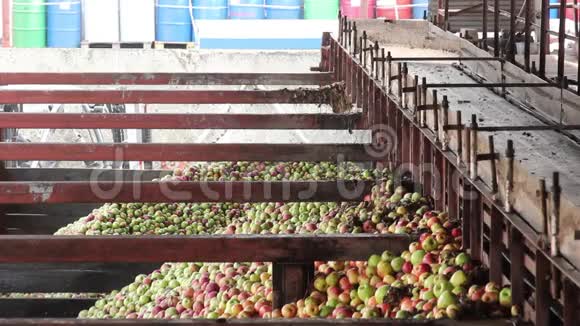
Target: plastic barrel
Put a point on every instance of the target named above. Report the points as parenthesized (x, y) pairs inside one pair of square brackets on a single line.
[(321, 9), (389, 9), (247, 9), (173, 21), (283, 9), (419, 11), (352, 8), (210, 9), (29, 24), (63, 24)]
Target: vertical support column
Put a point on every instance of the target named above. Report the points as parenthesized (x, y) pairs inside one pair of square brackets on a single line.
[(446, 17), (438, 180), (3, 177), (511, 43), (325, 52), (542, 304), (465, 211), (544, 44), (527, 34), (484, 24), (476, 234), (496, 49), (562, 40), (571, 307), (516, 248), (427, 159), (290, 282), (495, 246)]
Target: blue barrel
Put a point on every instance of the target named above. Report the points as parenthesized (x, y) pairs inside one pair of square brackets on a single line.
[(554, 13), (419, 8), (210, 9), (283, 9), (63, 24), (247, 9), (173, 21)]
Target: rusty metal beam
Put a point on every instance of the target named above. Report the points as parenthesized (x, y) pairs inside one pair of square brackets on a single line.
[(178, 121), (27, 78), (166, 191), (183, 152), (304, 96), (218, 248)]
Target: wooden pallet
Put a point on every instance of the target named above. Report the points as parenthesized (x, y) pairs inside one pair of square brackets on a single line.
[(116, 45), (174, 45)]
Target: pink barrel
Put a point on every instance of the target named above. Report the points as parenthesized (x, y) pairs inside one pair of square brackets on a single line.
[(389, 9), (352, 8)]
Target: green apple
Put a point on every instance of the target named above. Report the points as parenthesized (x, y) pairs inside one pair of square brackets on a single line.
[(387, 256), (429, 244), (458, 290), (332, 279), (325, 311), (374, 260), (365, 291), (446, 299), (442, 269), (397, 263), (381, 292), (402, 314), (429, 281), (417, 257), (384, 268), (505, 297), (427, 295), (462, 259), (441, 286), (458, 278)]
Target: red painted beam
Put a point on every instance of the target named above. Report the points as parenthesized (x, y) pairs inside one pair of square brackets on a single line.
[(184, 152), (219, 248), (158, 96), (177, 121), (9, 78), (168, 192)]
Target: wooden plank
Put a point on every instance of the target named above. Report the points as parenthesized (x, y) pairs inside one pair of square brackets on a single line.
[(495, 247), (8, 78), (543, 299), (158, 249), (516, 252), (571, 311), (70, 278), (52, 209), (38, 308), (177, 121), (264, 322), (167, 192), (81, 174), (291, 282), (304, 96), (183, 152), (38, 224)]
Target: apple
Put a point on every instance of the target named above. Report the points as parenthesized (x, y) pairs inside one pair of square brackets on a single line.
[(374, 260), (352, 275), (489, 297), (491, 287), (505, 297), (325, 311), (407, 305), (435, 228), (515, 311), (384, 268), (417, 256), (472, 289), (389, 279), (441, 237), (407, 267), (452, 311), (427, 295), (397, 263), (333, 292), (331, 280), (345, 284), (414, 246), (289, 310), (446, 299), (462, 259), (429, 243), (429, 282), (432, 220), (456, 232), (387, 256), (421, 269), (344, 297), (365, 292), (381, 293), (402, 314), (458, 278), (441, 286), (320, 284), (429, 258), (311, 309)]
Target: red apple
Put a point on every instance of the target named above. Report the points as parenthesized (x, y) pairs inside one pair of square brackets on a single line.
[(407, 267)]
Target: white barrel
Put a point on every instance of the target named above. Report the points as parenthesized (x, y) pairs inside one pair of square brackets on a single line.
[(137, 20), (101, 21)]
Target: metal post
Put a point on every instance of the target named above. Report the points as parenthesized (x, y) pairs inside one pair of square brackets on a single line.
[(473, 145), (527, 34), (446, 17), (544, 44), (562, 40), (496, 28), (484, 25), (509, 186), (555, 218), (511, 43)]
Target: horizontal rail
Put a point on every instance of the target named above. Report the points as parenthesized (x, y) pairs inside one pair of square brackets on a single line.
[(184, 152), (305, 96), (8, 78), (168, 192), (380, 59), (264, 322), (52, 308), (529, 128), (222, 248), (485, 85), (177, 121)]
